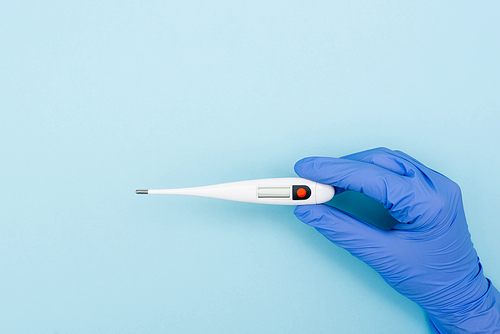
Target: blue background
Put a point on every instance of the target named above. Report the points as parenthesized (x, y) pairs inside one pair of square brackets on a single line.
[(101, 98)]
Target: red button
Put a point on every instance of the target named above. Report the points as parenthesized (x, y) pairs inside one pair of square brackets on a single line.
[(301, 192)]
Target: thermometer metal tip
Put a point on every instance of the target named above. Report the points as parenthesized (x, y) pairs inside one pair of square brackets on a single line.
[(145, 192)]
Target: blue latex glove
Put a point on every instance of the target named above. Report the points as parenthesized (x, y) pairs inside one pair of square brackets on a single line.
[(429, 256)]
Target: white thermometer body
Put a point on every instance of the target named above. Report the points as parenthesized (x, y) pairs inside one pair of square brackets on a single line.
[(280, 191)]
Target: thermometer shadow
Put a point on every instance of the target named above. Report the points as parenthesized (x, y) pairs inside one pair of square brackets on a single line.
[(364, 208)]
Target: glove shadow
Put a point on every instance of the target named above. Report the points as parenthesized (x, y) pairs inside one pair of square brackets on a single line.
[(364, 208)]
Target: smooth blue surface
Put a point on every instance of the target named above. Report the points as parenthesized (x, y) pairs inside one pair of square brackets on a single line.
[(99, 99)]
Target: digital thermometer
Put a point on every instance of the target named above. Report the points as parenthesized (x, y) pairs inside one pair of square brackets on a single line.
[(281, 191)]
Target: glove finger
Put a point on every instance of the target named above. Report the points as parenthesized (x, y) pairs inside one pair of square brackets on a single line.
[(402, 164), (385, 158), (409, 158), (361, 239), (427, 173), (378, 183)]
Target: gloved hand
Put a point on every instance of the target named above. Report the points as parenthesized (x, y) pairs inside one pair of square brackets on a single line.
[(429, 256)]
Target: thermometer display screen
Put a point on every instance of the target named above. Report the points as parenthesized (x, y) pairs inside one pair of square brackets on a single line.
[(273, 192)]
